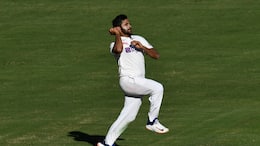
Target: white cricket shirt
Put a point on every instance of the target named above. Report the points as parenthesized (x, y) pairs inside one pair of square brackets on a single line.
[(131, 60)]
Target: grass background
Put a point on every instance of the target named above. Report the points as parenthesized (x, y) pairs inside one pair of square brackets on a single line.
[(59, 84)]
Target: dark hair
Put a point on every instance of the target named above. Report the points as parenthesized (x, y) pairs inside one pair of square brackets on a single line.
[(118, 20)]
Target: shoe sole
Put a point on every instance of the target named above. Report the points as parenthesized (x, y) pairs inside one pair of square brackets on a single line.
[(99, 144), (157, 130)]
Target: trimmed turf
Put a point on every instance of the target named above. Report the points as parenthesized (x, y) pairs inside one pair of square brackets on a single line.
[(59, 84)]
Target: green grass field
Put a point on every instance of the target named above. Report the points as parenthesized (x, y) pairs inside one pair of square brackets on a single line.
[(59, 84)]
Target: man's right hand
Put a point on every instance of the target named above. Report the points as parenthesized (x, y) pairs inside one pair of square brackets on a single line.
[(115, 31)]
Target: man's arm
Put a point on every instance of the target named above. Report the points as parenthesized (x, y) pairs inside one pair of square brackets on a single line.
[(118, 46), (149, 51)]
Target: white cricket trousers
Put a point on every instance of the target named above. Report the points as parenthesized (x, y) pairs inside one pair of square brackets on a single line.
[(134, 88)]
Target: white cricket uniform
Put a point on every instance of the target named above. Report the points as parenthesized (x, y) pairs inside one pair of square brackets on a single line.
[(131, 61), (131, 68)]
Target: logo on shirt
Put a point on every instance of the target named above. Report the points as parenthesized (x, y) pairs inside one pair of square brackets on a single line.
[(129, 49)]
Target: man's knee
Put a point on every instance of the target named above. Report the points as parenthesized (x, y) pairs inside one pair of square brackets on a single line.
[(159, 88)]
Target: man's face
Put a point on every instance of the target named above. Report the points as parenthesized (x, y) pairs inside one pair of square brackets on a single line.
[(126, 27)]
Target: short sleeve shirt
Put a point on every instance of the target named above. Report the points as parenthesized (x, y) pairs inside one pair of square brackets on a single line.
[(131, 60)]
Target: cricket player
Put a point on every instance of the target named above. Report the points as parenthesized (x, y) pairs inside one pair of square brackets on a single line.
[(129, 50)]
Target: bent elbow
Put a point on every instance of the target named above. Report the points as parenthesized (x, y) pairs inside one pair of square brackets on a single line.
[(117, 50), (157, 56)]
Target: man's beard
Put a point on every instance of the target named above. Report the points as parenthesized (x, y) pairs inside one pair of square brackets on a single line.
[(125, 31)]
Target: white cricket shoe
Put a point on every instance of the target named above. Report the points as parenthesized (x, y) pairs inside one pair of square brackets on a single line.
[(157, 127), (101, 144)]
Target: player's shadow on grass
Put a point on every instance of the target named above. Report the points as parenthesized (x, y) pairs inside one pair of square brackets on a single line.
[(91, 139)]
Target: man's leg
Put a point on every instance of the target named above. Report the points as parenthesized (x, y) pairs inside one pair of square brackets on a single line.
[(138, 86), (127, 115), (150, 87), (144, 86)]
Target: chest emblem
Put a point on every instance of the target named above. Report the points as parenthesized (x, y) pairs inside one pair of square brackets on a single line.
[(129, 49)]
